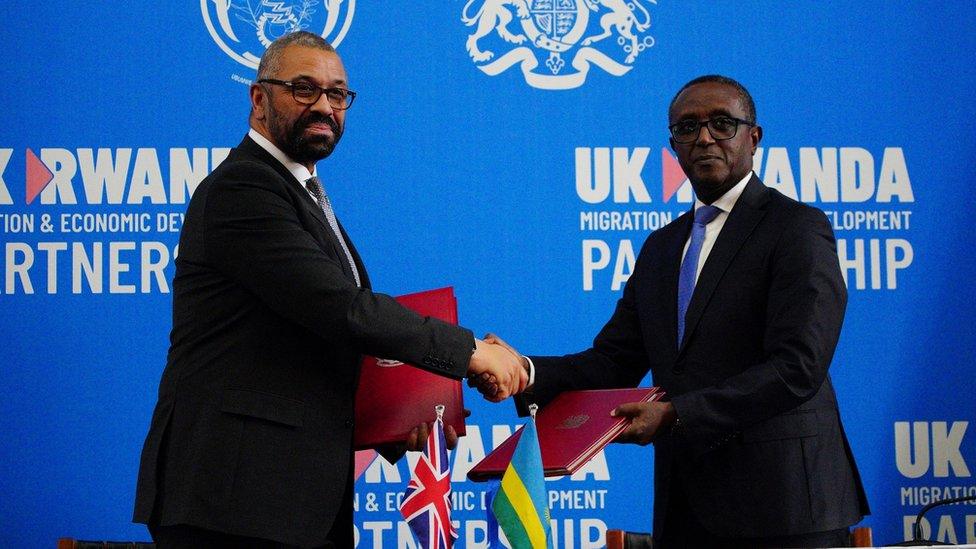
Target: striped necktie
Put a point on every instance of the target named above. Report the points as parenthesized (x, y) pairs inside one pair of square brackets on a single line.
[(315, 187)]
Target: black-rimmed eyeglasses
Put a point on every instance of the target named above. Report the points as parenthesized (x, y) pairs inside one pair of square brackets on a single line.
[(307, 93), (720, 128)]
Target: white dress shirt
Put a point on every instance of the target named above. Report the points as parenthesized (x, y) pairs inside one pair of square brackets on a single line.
[(725, 203)]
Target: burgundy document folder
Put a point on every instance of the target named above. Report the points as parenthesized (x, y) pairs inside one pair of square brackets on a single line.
[(572, 429), (394, 397)]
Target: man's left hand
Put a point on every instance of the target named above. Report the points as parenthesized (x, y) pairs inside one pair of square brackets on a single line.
[(417, 438), (648, 420)]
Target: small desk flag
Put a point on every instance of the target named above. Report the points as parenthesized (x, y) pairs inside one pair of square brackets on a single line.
[(520, 506), (427, 503)]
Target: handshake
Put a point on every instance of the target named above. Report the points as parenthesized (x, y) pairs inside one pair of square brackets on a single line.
[(497, 370)]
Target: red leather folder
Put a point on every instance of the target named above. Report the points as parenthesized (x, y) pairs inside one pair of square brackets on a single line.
[(394, 397), (572, 429)]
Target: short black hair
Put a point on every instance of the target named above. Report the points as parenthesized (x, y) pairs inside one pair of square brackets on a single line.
[(744, 97)]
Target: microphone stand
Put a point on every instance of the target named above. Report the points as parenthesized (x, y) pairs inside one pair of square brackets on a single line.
[(917, 540)]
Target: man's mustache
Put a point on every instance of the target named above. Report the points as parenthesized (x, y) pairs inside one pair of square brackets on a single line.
[(319, 118)]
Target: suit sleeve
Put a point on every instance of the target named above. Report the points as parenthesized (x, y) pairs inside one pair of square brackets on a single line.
[(254, 236), (617, 359), (804, 314)]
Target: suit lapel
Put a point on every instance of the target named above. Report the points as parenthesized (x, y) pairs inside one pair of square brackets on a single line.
[(313, 206), (248, 146), (743, 218)]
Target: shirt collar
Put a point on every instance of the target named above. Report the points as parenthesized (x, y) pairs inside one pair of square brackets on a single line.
[(299, 171), (727, 201)]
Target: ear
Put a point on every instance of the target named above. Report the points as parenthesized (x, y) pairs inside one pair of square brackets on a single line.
[(673, 144), (259, 98), (755, 134)]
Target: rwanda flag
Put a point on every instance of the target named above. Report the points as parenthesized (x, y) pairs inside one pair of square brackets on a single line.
[(520, 506)]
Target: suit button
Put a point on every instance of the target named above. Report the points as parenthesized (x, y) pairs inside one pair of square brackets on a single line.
[(678, 370), (349, 423)]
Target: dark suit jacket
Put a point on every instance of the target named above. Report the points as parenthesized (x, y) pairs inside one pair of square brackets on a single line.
[(252, 433), (761, 450)]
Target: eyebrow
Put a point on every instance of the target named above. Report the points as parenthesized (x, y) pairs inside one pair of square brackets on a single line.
[(310, 78)]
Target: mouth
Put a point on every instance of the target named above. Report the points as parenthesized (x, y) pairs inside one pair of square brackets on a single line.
[(319, 128), (705, 158)]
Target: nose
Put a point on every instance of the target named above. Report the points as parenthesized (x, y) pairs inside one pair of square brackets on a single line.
[(322, 105), (704, 135)]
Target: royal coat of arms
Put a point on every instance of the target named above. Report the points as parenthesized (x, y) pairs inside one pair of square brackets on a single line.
[(543, 35)]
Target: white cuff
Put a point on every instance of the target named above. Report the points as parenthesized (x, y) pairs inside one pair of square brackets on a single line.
[(531, 372)]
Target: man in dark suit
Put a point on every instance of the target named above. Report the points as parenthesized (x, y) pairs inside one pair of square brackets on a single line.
[(250, 442), (750, 450)]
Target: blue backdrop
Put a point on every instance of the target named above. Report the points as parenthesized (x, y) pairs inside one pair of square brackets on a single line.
[(527, 180)]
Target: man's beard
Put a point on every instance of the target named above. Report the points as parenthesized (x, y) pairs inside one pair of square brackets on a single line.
[(300, 148)]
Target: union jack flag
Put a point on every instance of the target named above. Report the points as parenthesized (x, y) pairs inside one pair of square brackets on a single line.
[(427, 503)]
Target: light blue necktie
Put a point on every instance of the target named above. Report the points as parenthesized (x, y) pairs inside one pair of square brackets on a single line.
[(686, 280), (315, 186)]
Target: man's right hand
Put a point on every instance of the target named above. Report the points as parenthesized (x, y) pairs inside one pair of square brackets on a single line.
[(496, 371)]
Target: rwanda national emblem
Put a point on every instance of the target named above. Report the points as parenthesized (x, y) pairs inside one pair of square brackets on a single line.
[(557, 31), (244, 28)]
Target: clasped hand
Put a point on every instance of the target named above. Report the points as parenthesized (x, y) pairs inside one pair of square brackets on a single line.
[(497, 370)]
